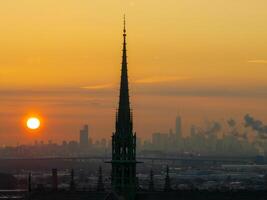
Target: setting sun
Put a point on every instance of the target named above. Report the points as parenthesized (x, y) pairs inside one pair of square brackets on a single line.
[(33, 123)]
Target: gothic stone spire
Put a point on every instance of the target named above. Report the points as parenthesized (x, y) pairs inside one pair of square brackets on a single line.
[(124, 121), (124, 140)]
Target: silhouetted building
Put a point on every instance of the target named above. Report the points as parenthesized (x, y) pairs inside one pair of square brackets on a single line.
[(178, 127), (84, 136), (123, 178)]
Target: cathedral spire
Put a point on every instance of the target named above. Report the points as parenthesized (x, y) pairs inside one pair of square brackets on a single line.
[(123, 178), (124, 123)]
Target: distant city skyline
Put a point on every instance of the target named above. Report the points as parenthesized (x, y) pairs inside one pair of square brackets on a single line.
[(164, 121), (221, 138)]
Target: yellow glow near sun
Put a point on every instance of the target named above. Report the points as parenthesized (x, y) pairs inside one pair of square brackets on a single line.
[(33, 123)]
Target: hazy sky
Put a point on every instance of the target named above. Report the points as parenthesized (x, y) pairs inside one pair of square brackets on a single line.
[(61, 60)]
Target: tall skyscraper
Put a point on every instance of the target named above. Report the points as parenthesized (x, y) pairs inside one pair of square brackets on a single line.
[(84, 134), (124, 140), (178, 127)]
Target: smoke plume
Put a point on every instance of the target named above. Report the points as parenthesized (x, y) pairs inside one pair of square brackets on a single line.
[(255, 124)]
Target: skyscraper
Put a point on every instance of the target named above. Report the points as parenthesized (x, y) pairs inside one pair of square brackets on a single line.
[(84, 136), (123, 139), (178, 127)]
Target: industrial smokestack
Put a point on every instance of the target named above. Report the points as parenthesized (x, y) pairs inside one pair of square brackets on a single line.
[(54, 179), (29, 182), (72, 183)]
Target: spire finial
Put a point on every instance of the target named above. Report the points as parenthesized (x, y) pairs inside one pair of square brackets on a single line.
[(124, 25)]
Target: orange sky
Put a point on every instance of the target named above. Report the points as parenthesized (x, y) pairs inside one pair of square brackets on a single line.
[(61, 59)]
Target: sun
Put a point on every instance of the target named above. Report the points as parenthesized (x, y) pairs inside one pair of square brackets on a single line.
[(33, 123)]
